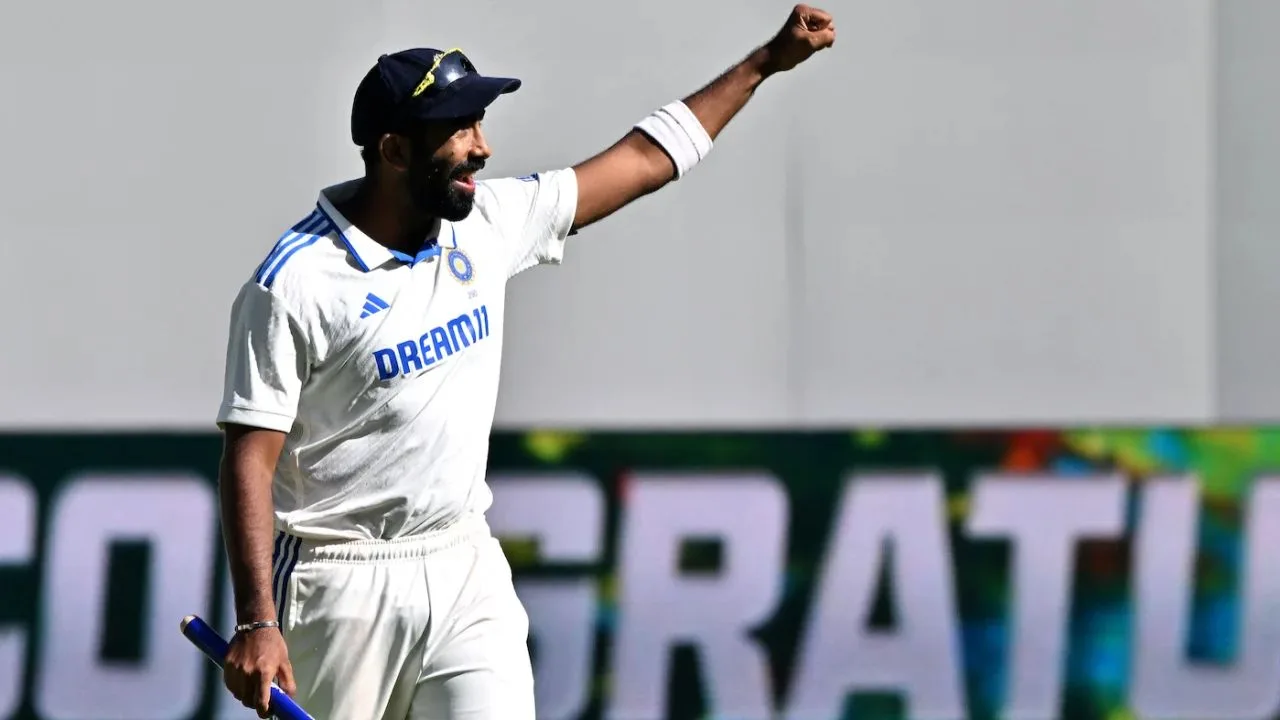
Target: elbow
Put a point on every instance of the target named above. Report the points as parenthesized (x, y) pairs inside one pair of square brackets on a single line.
[(654, 167), (661, 175), (660, 168)]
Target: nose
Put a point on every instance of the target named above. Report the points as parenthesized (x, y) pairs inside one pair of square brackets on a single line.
[(480, 147)]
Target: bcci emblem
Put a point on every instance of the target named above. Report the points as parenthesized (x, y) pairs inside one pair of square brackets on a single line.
[(460, 266)]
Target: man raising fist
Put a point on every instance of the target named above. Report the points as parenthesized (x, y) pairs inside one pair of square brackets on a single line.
[(361, 381)]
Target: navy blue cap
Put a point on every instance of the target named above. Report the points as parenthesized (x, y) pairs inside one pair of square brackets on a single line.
[(421, 84)]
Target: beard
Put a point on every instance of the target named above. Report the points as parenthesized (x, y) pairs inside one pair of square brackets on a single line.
[(432, 192)]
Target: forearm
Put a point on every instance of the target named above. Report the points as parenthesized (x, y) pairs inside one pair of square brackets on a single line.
[(248, 529), (721, 99), (635, 166), (668, 143)]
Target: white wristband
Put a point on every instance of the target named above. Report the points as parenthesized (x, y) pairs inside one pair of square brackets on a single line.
[(677, 131)]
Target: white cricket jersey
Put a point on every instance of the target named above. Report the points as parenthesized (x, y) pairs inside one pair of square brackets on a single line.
[(383, 368)]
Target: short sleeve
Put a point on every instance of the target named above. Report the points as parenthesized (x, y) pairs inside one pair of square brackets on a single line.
[(267, 362), (534, 213)]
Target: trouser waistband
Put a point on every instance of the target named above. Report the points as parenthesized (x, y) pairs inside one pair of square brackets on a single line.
[(469, 528)]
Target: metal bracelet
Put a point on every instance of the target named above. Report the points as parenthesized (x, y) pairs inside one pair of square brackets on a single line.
[(249, 627)]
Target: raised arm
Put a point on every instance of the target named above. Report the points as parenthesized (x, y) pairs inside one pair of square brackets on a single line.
[(668, 143)]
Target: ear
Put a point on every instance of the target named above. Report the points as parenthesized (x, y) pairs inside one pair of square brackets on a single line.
[(394, 150)]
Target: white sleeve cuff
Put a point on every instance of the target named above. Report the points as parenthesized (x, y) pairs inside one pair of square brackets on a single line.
[(566, 207), (255, 418)]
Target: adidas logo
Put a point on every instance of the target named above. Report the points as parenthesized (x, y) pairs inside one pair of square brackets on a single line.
[(373, 304)]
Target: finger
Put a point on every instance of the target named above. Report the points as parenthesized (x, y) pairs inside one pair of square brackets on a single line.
[(232, 679), (823, 38), (263, 700), (246, 694), (286, 680), (817, 19), (814, 26)]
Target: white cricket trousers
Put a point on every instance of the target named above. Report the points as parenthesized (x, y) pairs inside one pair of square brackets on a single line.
[(420, 628)]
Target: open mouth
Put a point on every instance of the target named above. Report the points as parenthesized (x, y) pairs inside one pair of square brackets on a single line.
[(466, 181)]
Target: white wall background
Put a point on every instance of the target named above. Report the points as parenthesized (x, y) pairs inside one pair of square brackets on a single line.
[(1248, 238), (984, 212)]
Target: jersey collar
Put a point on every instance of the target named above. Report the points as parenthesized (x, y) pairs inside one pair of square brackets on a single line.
[(365, 251)]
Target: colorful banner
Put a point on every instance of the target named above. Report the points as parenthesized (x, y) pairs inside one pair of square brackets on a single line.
[(1079, 574)]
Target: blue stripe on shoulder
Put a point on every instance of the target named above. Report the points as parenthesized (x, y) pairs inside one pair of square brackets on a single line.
[(271, 276), (306, 234), (302, 228)]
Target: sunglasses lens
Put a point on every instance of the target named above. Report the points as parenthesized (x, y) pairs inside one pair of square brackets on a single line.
[(452, 66)]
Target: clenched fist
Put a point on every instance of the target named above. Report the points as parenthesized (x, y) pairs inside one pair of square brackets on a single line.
[(255, 660), (807, 31)]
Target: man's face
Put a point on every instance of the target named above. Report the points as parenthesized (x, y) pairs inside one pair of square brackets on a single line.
[(445, 157)]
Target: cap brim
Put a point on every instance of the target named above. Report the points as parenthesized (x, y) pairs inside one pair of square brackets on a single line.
[(466, 96)]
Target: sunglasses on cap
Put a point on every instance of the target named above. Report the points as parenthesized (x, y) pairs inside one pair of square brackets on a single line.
[(446, 68), (422, 84)]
